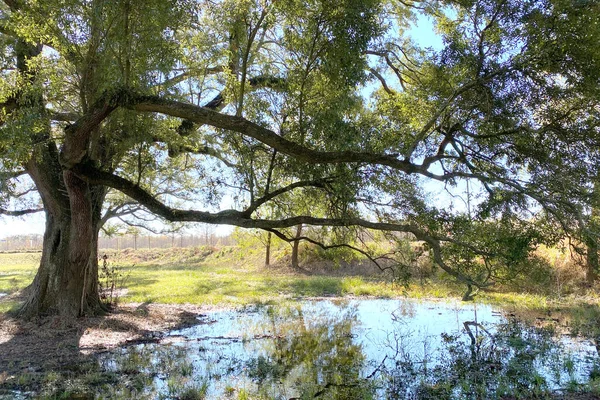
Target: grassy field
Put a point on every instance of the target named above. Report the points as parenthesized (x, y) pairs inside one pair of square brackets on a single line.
[(17, 270), (234, 276), (227, 276)]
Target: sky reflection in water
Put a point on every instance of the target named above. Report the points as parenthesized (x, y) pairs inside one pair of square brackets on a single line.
[(360, 349)]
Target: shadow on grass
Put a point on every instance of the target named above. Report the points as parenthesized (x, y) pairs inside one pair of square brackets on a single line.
[(318, 286), (163, 267), (6, 275), (10, 302), (138, 283)]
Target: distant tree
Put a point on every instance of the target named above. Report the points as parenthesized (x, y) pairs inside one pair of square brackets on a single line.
[(169, 106)]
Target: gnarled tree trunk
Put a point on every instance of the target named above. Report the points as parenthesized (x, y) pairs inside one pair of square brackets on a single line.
[(591, 242), (66, 282), (591, 272)]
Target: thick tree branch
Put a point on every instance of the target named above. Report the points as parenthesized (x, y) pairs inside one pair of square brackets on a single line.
[(19, 213), (202, 115), (237, 218), (78, 135)]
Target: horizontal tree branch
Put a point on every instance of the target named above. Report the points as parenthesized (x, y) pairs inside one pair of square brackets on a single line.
[(205, 116), (238, 218), (77, 135), (19, 213), (63, 116)]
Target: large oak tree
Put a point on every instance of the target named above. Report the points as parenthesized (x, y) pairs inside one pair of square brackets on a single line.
[(115, 106)]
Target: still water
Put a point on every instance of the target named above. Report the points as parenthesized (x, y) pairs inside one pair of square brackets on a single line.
[(356, 349)]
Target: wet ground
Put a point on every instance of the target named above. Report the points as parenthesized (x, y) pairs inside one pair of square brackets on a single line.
[(323, 348), (356, 349)]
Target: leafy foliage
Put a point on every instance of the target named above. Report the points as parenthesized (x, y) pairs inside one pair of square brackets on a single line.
[(321, 113)]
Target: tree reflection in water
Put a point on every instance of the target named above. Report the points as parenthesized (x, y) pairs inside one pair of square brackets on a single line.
[(317, 353), (327, 350), (516, 361)]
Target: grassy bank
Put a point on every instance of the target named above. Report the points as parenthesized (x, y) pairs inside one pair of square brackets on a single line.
[(234, 275)]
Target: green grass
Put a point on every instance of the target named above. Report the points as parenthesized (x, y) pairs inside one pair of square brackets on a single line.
[(233, 276), (224, 276), (207, 283), (530, 301), (17, 270)]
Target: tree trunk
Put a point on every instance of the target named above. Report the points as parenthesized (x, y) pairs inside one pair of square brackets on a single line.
[(591, 272), (268, 250), (66, 282), (295, 248), (591, 236), (591, 242)]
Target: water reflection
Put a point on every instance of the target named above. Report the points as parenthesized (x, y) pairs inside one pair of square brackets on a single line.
[(514, 362), (312, 353), (359, 349)]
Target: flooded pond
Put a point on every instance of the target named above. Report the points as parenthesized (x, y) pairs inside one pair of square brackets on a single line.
[(355, 349)]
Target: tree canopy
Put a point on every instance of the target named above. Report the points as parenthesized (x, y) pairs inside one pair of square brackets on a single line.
[(323, 113)]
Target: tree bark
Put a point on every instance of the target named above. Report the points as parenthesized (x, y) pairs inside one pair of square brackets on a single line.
[(591, 272), (295, 248), (66, 282), (268, 250), (591, 242)]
